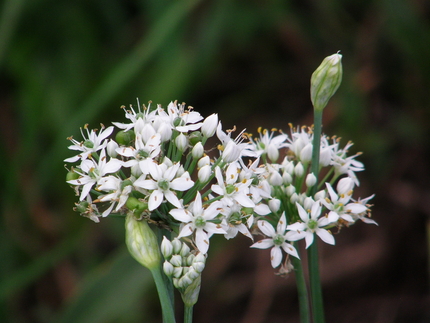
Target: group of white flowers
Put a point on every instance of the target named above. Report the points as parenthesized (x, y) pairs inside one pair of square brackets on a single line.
[(162, 166)]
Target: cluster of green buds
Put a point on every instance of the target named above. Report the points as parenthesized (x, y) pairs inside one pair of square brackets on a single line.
[(184, 267)]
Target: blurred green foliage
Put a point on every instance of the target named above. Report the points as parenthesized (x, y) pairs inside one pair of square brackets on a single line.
[(67, 63)]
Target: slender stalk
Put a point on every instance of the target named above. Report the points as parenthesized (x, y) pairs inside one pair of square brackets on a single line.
[(314, 275), (163, 294), (301, 290), (188, 314)]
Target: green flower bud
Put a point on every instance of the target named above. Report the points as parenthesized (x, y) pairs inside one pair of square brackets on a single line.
[(326, 80), (191, 293), (71, 175), (124, 138), (135, 205), (195, 137), (142, 242)]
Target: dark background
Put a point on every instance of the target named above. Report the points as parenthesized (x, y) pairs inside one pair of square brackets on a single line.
[(67, 63)]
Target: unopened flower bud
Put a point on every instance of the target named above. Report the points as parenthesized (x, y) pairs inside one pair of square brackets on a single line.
[(299, 170), (166, 248), (181, 142), (306, 153), (192, 273), (310, 180), (294, 198), (231, 152), (290, 190), (177, 272), (168, 268), (287, 178), (272, 152), (325, 156), (326, 80), (176, 260), (111, 148), (142, 242), (307, 203), (198, 150), (345, 185), (274, 205), (177, 245), (185, 250), (275, 178), (191, 293), (203, 161), (209, 125), (204, 173)]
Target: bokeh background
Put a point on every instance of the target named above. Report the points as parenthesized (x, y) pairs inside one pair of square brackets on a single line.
[(67, 63)]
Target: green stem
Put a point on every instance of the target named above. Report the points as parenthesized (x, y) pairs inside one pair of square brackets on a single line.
[(163, 294), (188, 314), (314, 275), (301, 289)]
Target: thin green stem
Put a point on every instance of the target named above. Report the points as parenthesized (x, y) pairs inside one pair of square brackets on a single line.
[(163, 294), (188, 314), (301, 290), (314, 275)]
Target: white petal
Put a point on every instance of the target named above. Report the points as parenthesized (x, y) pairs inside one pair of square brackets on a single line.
[(155, 199), (288, 248), (302, 213), (325, 236), (309, 239), (275, 256), (213, 228), (186, 231), (266, 228), (244, 200), (282, 224), (172, 198), (182, 183), (263, 244), (202, 241), (181, 215)]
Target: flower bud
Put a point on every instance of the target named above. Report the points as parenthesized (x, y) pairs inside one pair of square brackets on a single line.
[(177, 245), (306, 153), (311, 180), (326, 80), (272, 152), (185, 250), (191, 293), (325, 156), (345, 185), (203, 161), (111, 148), (198, 150), (294, 198), (231, 152), (299, 170), (209, 125), (166, 248), (176, 260), (204, 173), (124, 138), (274, 205), (181, 142), (290, 190), (168, 268), (142, 242), (320, 195), (275, 178)]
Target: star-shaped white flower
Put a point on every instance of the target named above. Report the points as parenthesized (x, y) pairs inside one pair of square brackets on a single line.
[(163, 183), (198, 219), (92, 171), (277, 240), (230, 189), (92, 143), (310, 225), (339, 205)]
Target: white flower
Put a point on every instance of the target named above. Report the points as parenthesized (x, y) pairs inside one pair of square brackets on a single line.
[(232, 150), (234, 221), (118, 193), (143, 154), (310, 225), (346, 165), (147, 116), (277, 240), (93, 171), (362, 216), (230, 190), (91, 143), (180, 119), (268, 144), (339, 205), (163, 183), (209, 125), (197, 219)]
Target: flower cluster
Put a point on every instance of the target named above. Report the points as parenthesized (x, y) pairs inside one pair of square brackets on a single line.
[(159, 167)]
